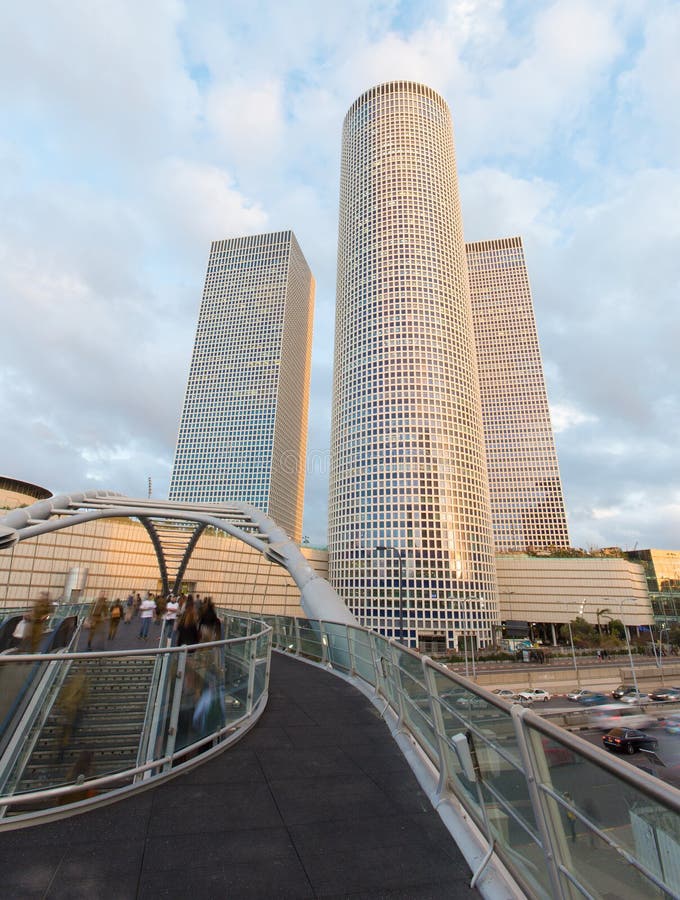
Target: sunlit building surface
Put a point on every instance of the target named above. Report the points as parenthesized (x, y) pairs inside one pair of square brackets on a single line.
[(243, 431), (408, 470), (527, 505)]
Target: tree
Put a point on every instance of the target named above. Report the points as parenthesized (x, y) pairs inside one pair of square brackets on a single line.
[(605, 613), (583, 633), (616, 628)]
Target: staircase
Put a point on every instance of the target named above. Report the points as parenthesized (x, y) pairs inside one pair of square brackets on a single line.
[(111, 695)]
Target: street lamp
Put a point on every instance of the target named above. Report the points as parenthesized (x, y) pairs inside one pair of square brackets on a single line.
[(384, 548), (571, 641), (625, 631)]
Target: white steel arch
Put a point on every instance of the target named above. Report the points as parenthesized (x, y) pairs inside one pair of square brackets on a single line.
[(317, 598)]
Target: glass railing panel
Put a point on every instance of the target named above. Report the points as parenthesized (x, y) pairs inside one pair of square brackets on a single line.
[(263, 645), (416, 707), (501, 799), (284, 632), (310, 639), (202, 709), (260, 680), (386, 670), (236, 669), (582, 799), (337, 646), (361, 647)]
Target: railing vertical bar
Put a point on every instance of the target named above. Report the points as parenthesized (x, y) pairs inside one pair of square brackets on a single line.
[(537, 806)]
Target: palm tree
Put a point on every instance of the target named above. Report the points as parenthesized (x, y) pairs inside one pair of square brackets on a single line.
[(606, 613)]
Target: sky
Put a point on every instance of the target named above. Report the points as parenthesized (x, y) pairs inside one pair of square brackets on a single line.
[(133, 134)]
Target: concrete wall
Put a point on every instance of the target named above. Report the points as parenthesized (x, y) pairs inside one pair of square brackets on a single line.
[(547, 589)]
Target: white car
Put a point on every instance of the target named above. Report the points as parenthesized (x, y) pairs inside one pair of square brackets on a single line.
[(634, 697), (505, 694), (534, 695)]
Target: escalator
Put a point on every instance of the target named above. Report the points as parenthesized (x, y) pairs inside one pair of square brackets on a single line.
[(94, 726)]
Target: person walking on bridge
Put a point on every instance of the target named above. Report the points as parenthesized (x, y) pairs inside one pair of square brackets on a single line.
[(98, 614), (146, 612)]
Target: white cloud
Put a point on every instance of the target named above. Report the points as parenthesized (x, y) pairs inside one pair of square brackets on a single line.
[(564, 417), (249, 119), (202, 204), (134, 134), (496, 204)]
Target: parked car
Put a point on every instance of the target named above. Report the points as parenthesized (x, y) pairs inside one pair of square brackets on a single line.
[(533, 695), (594, 700), (665, 693), (578, 696), (622, 689), (505, 694), (629, 740)]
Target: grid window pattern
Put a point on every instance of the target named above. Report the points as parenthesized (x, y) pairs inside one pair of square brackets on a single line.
[(408, 469), (243, 430), (527, 504)]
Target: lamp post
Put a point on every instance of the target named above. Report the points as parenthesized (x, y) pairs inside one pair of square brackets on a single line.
[(571, 641), (630, 654), (385, 548)]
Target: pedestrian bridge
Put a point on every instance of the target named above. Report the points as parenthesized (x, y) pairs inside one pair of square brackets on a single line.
[(295, 757), (222, 769)]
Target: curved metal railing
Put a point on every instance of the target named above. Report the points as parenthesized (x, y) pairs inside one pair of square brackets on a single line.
[(94, 726), (565, 818)]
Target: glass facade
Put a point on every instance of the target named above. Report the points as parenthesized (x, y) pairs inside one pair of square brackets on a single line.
[(527, 505), (410, 539), (243, 431)]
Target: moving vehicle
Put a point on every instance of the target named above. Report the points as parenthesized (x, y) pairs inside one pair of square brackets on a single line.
[(614, 715), (634, 697), (594, 700), (578, 696), (629, 740), (533, 695), (672, 724), (505, 693), (622, 689), (665, 693)]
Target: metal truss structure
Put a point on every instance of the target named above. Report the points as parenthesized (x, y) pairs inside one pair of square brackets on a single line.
[(174, 529)]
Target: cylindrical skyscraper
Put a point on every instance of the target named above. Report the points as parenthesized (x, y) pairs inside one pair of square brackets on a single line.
[(410, 539)]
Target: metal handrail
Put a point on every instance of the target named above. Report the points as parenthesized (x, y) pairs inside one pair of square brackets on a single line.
[(390, 688), (147, 766)]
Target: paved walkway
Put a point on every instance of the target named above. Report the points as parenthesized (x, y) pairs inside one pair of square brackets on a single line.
[(316, 801)]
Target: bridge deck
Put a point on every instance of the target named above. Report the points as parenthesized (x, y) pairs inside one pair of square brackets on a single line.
[(317, 801)]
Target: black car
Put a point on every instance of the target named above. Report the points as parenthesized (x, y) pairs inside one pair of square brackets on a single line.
[(629, 740), (665, 693), (622, 689)]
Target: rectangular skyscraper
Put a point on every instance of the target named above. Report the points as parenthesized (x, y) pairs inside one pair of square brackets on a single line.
[(527, 505), (243, 432)]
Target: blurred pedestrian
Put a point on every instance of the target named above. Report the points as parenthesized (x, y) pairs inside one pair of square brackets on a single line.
[(129, 608), (98, 615), (209, 622), (115, 615), (42, 608), (71, 705), (187, 624)]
